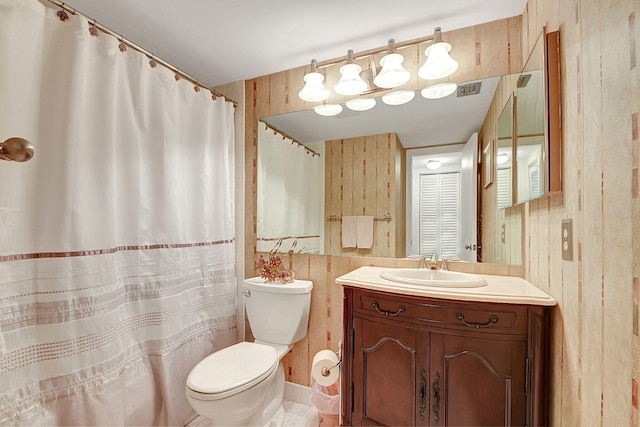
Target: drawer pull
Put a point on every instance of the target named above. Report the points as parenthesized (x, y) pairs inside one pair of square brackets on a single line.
[(401, 309), (435, 387), (423, 394), (492, 319)]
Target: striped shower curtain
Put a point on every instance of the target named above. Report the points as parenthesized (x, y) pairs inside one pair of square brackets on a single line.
[(117, 265)]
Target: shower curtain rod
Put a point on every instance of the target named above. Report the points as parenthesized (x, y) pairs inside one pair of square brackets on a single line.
[(295, 141), (141, 50)]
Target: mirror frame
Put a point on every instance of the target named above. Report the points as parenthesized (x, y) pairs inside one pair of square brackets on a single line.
[(552, 116), (553, 105)]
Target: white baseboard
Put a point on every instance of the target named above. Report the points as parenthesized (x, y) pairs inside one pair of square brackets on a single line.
[(297, 393)]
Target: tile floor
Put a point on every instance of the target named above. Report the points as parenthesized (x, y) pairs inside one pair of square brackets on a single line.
[(296, 415)]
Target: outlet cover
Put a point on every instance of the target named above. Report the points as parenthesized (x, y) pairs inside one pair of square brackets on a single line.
[(567, 239)]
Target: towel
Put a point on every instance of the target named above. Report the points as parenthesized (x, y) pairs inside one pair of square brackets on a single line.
[(349, 231), (364, 233)]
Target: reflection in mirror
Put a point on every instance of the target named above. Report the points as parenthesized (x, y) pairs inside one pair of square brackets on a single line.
[(530, 128), (504, 157), (422, 123), (290, 194)]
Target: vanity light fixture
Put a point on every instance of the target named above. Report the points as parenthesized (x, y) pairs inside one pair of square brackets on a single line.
[(313, 90), (439, 91), (438, 64), (350, 82), (328, 110), (361, 104), (434, 164), (393, 74), (398, 97), (502, 158)]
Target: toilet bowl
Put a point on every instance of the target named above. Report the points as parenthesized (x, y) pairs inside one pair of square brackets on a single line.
[(243, 385), (232, 385)]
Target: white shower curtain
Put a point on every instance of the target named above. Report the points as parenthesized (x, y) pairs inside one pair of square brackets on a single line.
[(290, 200), (117, 269)]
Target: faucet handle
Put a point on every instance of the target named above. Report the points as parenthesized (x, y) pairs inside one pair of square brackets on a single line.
[(443, 265)]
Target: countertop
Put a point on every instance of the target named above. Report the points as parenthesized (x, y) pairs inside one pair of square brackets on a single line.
[(499, 289)]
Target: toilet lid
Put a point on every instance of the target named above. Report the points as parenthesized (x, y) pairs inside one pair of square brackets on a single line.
[(233, 368)]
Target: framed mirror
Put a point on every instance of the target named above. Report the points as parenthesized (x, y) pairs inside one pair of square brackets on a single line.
[(402, 136), (538, 149)]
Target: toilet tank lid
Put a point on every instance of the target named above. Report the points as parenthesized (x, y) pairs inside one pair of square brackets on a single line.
[(233, 369), (295, 287)]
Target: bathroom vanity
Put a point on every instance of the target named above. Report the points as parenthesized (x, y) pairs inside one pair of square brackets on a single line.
[(444, 356)]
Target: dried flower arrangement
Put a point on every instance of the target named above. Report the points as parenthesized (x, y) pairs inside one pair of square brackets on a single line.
[(273, 269)]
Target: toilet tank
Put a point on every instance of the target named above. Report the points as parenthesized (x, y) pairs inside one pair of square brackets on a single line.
[(278, 312)]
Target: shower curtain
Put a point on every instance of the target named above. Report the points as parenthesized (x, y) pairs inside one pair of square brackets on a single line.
[(117, 268), (290, 186)]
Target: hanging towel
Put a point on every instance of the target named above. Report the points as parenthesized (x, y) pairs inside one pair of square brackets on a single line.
[(364, 234), (349, 231)]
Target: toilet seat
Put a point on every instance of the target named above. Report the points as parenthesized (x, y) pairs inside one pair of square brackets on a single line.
[(231, 370)]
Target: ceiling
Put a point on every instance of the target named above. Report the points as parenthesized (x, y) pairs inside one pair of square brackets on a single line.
[(219, 42), (421, 122)]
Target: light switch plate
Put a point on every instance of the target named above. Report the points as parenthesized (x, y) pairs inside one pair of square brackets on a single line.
[(567, 239)]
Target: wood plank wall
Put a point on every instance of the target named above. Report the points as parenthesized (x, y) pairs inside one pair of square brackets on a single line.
[(362, 178)]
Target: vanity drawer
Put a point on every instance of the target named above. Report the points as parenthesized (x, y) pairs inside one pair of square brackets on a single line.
[(476, 316)]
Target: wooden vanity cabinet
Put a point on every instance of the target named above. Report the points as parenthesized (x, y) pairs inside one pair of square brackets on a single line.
[(417, 361)]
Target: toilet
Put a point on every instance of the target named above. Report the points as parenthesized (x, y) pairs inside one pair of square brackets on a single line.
[(243, 384)]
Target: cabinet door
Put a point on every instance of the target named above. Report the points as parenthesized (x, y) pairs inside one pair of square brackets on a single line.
[(477, 381), (384, 378)]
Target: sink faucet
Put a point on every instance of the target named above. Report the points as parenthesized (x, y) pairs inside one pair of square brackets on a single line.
[(433, 262)]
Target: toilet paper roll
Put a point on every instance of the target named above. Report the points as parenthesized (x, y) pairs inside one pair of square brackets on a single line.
[(327, 361)]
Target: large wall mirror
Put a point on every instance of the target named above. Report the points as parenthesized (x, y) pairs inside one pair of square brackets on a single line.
[(538, 147), (403, 142), (530, 128)]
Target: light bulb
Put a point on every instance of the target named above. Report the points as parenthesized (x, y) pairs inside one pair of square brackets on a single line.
[(393, 73), (502, 158), (433, 164), (328, 109), (350, 82), (399, 97), (361, 104), (314, 90), (439, 91), (438, 64)]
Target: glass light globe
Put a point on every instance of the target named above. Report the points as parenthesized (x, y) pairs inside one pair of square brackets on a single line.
[(393, 73), (502, 158), (438, 64), (433, 164), (350, 82), (399, 97), (314, 90), (439, 91), (328, 110), (361, 104)]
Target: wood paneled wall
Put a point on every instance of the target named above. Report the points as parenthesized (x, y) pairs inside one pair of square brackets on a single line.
[(485, 50), (362, 178), (595, 347)]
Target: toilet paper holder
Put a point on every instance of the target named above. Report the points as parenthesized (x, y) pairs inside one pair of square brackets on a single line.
[(325, 372)]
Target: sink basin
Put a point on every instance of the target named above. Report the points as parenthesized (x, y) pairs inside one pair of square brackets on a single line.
[(437, 278)]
